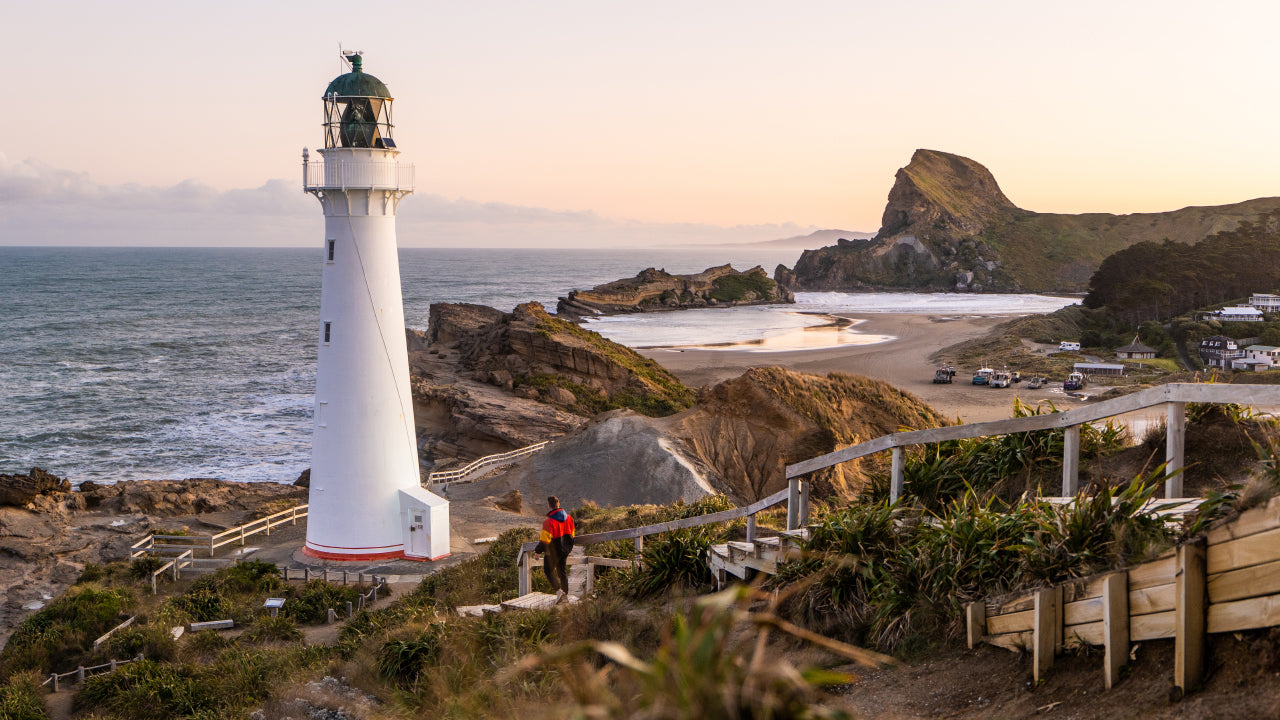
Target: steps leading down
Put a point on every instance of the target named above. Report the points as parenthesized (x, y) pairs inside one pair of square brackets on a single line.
[(743, 559), (579, 586)]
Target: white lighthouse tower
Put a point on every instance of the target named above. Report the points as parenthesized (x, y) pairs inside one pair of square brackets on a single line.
[(366, 500)]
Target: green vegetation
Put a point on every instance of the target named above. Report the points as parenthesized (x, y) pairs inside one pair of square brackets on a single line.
[(1159, 281), (651, 390), (896, 577), (744, 286), (58, 636), (21, 698)]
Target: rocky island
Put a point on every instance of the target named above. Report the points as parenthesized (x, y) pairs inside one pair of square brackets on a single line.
[(654, 290), (948, 227)]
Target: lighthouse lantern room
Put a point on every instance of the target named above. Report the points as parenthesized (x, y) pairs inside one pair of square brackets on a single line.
[(366, 498)]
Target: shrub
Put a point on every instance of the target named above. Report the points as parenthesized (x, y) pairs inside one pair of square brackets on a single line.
[(21, 698), (267, 629), (672, 560), (64, 631), (311, 602), (154, 642), (142, 568), (146, 691), (402, 661)]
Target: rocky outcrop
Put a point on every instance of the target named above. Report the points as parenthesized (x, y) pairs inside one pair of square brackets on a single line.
[(947, 226), (747, 430), (536, 356), (654, 290), (18, 490)]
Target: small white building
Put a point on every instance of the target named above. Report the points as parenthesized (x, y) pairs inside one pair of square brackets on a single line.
[(1239, 313), (1265, 302), (1135, 351), (1258, 358), (1110, 369)]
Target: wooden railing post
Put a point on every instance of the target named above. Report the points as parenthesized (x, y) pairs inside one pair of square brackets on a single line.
[(54, 684), (639, 544), (1175, 439), (1071, 461), (1189, 615), (80, 675), (975, 617), (525, 577), (793, 503), (1115, 625), (1047, 619), (897, 477), (804, 503), (751, 528)]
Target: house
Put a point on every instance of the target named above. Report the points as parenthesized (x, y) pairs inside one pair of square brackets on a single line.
[(1257, 358), (1238, 313), (1135, 351), (1219, 351), (1265, 302), (1099, 369)]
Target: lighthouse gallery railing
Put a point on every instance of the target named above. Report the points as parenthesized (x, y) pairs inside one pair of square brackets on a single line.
[(372, 175)]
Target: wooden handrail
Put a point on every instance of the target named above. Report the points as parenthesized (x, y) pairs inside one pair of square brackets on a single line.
[(1151, 397)]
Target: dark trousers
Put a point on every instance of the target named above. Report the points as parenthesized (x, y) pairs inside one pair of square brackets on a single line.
[(554, 565)]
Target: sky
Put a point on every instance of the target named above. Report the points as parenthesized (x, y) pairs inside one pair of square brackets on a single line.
[(599, 123)]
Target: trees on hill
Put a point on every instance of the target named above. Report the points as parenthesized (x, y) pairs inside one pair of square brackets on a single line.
[(1157, 281)]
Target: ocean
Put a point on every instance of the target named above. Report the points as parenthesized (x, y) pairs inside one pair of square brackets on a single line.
[(168, 363)]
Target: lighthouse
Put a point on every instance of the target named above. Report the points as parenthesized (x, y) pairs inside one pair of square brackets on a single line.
[(366, 498)]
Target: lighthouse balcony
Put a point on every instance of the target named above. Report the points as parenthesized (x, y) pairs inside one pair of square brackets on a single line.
[(351, 175)]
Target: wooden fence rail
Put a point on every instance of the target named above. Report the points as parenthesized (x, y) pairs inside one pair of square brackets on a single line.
[(181, 543), (82, 672), (1225, 581), (1174, 397)]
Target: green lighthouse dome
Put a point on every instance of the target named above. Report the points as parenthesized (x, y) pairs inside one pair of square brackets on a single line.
[(357, 83)]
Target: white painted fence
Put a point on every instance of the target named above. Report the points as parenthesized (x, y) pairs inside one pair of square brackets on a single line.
[(443, 479)]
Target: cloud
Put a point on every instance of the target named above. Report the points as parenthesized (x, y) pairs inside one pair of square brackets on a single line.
[(44, 205)]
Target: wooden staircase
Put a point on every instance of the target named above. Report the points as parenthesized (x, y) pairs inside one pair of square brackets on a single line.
[(763, 555), (580, 585)]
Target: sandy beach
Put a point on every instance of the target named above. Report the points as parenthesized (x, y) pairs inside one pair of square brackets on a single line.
[(904, 362)]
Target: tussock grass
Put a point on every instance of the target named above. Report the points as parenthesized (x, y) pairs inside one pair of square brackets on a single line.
[(21, 697), (60, 635)]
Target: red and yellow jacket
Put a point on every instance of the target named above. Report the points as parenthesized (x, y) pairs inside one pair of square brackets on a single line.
[(557, 529)]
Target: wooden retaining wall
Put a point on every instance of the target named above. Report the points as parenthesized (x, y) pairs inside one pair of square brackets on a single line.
[(1224, 581)]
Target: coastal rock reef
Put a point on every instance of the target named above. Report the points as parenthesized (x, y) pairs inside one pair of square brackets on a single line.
[(486, 381), (654, 290), (947, 226)]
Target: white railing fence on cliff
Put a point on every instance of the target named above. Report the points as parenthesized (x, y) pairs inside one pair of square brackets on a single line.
[(443, 479), (184, 544)]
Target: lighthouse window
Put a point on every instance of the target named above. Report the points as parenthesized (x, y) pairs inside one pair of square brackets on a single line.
[(327, 327), (331, 245)]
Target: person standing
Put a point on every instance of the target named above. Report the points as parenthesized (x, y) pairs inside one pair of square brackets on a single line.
[(556, 541)]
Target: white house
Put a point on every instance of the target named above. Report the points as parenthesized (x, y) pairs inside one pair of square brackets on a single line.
[(1257, 357), (1265, 302), (1239, 313)]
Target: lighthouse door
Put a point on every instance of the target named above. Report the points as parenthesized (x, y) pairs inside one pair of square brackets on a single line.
[(419, 543)]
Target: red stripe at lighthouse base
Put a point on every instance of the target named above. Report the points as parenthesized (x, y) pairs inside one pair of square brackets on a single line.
[(393, 555)]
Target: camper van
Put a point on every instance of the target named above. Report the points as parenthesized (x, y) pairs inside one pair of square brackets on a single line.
[(1065, 346)]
